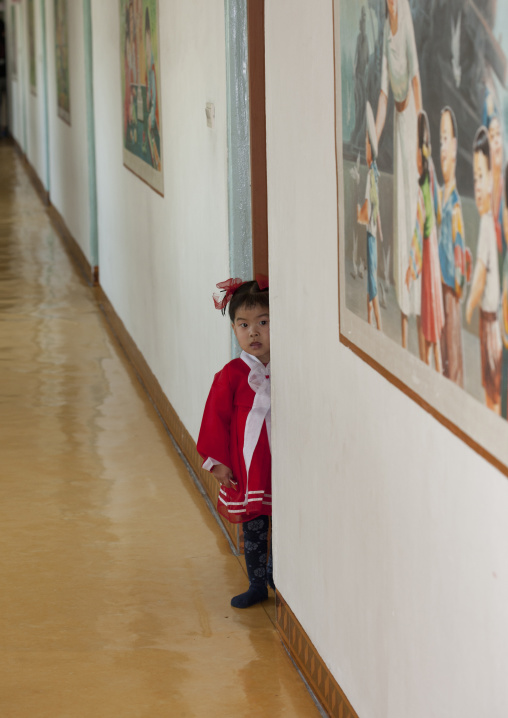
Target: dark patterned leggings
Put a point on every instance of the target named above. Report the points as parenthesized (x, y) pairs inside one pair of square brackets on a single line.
[(259, 564)]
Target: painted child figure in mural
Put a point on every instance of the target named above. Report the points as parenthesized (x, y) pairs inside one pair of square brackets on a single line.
[(234, 439), (424, 253), (492, 122), (485, 289), (451, 251), (368, 215), (360, 73), (152, 101), (400, 72)]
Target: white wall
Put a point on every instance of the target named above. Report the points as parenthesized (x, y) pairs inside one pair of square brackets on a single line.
[(160, 258), (36, 130), (391, 536), (69, 144)]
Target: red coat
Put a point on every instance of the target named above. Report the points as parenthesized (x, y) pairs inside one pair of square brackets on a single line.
[(222, 438)]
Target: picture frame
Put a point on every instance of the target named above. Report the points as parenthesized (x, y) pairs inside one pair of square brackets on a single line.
[(410, 216), (142, 139)]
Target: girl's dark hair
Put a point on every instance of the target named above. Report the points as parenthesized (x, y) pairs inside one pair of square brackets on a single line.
[(481, 143), (147, 22), (249, 295), (424, 143)]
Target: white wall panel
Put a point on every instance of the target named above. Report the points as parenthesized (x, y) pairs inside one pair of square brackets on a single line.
[(390, 533)]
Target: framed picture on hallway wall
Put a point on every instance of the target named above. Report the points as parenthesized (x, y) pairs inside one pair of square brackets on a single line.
[(62, 60), (141, 94), (32, 59), (421, 139)]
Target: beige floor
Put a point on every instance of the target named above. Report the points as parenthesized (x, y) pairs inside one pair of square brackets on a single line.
[(115, 579)]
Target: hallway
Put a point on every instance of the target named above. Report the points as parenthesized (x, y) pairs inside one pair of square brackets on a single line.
[(115, 578)]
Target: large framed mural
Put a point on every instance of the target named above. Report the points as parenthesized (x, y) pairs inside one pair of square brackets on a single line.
[(421, 136), (141, 97), (62, 60), (32, 58)]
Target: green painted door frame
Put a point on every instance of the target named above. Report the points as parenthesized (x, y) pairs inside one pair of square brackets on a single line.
[(239, 163), (90, 123)]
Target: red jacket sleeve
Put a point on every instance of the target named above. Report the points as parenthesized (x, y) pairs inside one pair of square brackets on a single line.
[(214, 435)]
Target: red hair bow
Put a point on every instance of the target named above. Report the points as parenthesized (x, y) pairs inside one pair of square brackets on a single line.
[(229, 287)]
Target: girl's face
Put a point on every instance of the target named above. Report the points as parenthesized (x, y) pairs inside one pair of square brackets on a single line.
[(252, 330), (496, 143), (448, 148), (482, 183)]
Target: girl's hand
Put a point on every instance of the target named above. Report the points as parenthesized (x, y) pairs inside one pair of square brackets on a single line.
[(224, 475)]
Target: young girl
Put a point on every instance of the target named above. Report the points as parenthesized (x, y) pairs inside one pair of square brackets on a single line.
[(234, 438), (424, 253), (368, 214), (485, 288)]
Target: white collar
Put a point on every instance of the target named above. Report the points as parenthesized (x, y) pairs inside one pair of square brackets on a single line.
[(253, 362)]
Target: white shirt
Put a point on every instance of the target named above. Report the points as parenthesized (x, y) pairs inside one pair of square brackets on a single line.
[(487, 255), (400, 61), (372, 222)]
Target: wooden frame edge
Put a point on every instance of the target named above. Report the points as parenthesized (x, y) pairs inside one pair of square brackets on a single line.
[(145, 181), (425, 405), (305, 655)]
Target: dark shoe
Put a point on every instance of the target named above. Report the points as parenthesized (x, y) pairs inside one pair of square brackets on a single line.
[(254, 595)]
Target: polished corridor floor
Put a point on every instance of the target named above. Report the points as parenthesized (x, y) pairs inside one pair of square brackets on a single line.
[(115, 579)]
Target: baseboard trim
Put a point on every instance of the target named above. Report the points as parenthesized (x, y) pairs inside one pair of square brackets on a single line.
[(34, 177), (91, 274), (168, 414), (313, 668)]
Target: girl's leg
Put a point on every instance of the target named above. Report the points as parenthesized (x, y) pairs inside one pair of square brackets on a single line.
[(437, 358), (269, 565), (255, 534), (492, 405), (403, 321), (377, 313), (428, 349), (369, 310), (421, 340)]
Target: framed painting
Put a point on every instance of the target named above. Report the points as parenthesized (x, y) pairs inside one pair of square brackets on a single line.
[(32, 59), (141, 95), (421, 138), (62, 60)]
